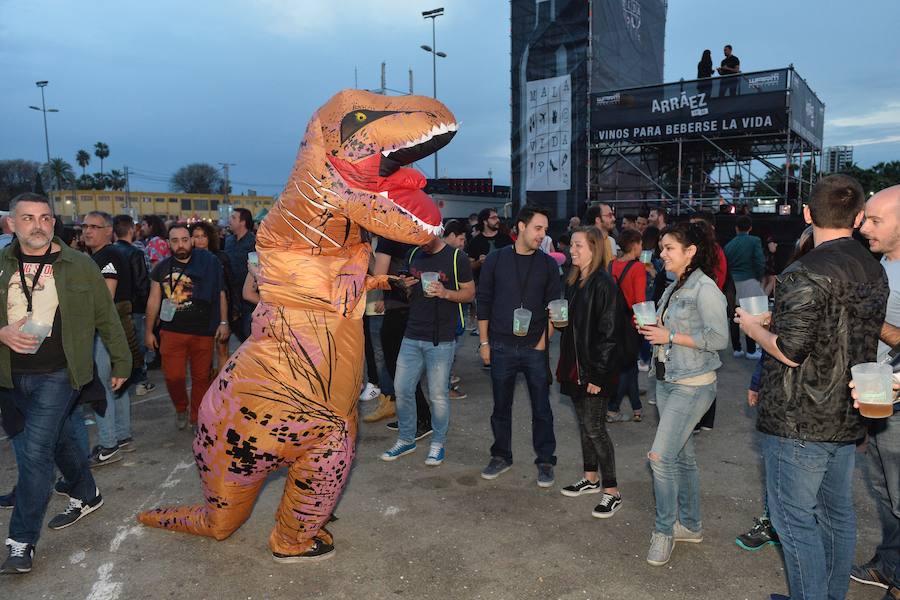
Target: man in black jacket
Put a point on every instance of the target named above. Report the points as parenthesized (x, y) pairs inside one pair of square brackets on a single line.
[(123, 226), (829, 308), (519, 277)]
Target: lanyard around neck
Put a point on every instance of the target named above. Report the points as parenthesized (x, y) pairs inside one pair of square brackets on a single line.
[(29, 294)]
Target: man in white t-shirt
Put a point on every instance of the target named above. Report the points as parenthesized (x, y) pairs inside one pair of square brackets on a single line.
[(882, 229)]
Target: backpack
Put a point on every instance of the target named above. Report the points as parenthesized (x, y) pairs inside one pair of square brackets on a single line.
[(630, 348), (461, 321)]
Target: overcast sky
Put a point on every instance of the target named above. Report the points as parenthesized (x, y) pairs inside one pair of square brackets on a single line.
[(169, 82)]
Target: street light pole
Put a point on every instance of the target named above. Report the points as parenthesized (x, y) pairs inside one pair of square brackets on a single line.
[(433, 15), (45, 110)]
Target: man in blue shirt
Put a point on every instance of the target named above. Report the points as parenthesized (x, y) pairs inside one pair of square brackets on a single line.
[(238, 245), (519, 277), (747, 265)]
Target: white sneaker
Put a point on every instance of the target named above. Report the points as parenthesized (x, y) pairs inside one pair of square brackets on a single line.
[(738, 353), (754, 355), (643, 367), (370, 392)]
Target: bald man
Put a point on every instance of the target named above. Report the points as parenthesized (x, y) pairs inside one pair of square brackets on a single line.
[(882, 465)]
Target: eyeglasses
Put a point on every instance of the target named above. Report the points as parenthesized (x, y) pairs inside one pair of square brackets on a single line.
[(92, 227)]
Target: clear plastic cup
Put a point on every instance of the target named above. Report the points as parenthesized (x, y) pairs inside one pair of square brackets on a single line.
[(644, 313), (646, 256), (755, 305), (253, 258), (873, 385), (559, 313), (521, 321), (38, 330), (429, 277)]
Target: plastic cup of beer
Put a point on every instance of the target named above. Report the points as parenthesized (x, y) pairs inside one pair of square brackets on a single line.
[(873, 386), (559, 313), (38, 330), (428, 277), (755, 305), (521, 321), (646, 256), (644, 313)]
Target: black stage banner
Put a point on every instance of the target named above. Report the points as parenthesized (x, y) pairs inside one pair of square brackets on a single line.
[(746, 104)]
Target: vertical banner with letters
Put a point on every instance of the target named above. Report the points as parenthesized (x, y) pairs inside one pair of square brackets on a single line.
[(549, 134)]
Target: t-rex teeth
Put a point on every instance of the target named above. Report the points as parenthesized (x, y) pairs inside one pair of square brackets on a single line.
[(385, 152), (384, 194), (452, 127)]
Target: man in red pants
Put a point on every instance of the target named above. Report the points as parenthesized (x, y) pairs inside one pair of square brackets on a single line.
[(187, 295)]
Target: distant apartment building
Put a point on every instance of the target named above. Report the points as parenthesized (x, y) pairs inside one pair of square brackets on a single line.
[(71, 205), (835, 158)]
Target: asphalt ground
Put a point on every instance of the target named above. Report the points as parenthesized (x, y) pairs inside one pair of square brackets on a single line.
[(406, 530)]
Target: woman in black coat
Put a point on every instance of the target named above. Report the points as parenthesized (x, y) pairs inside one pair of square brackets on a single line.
[(705, 71), (589, 364)]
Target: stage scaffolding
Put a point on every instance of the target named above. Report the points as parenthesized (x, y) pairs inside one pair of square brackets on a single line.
[(700, 143)]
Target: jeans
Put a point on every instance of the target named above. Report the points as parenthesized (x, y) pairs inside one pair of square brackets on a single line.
[(743, 289), (676, 479), (628, 386), (115, 425), (506, 363), (176, 350), (810, 497), (46, 401), (373, 326), (139, 319), (882, 470), (392, 331), (596, 445), (415, 358)]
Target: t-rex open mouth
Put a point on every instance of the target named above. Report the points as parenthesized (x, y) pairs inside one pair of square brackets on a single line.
[(385, 173)]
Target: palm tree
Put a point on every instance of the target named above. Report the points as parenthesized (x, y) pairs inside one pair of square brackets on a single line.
[(101, 151), (60, 171), (83, 159), (116, 179)]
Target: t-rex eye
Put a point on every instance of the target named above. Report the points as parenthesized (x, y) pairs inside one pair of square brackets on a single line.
[(360, 117)]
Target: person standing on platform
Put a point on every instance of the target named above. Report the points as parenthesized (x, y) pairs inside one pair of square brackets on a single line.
[(517, 283), (238, 245), (882, 462), (44, 281), (704, 73), (729, 84)]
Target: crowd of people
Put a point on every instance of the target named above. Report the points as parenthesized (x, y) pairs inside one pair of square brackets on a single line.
[(136, 293)]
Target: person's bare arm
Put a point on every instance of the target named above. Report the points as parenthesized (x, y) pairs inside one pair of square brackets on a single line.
[(890, 334), (111, 285), (153, 302)]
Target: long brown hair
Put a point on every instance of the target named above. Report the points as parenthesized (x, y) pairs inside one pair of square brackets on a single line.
[(597, 243)]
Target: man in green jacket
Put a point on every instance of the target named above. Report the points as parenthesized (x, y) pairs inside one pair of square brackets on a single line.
[(747, 266), (55, 301)]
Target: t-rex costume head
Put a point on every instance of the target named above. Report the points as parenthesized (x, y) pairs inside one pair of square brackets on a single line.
[(351, 165), (288, 396)]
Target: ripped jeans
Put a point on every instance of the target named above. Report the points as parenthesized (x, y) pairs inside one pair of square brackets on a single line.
[(676, 479)]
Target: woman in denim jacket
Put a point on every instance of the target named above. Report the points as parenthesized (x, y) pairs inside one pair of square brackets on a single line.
[(691, 329)]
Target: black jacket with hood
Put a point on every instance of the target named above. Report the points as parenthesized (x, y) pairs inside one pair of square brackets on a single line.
[(829, 309)]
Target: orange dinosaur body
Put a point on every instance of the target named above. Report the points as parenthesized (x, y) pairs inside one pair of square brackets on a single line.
[(288, 395)]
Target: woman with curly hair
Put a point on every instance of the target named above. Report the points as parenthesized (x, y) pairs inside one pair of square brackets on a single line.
[(691, 328), (206, 237)]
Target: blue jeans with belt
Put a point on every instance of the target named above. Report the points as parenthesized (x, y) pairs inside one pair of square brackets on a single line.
[(507, 361), (46, 400), (676, 478), (810, 497)]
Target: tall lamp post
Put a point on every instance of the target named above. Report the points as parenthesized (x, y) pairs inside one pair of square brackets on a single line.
[(432, 49), (45, 110)]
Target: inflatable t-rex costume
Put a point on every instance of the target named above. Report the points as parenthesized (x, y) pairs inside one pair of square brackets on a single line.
[(288, 395)]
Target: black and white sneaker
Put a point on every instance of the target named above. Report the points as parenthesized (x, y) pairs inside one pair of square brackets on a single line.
[(582, 486), (421, 430), (319, 551), (126, 445), (104, 456), (62, 487), (20, 558), (608, 506), (75, 511)]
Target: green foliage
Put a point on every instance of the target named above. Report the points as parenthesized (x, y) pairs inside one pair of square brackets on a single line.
[(196, 178)]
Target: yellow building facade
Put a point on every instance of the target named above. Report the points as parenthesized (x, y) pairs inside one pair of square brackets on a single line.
[(72, 205)]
